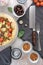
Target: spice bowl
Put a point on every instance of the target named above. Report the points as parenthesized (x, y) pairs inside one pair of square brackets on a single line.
[(34, 57), (19, 10), (26, 47)]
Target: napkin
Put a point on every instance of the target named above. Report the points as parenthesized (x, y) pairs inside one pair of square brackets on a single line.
[(5, 56)]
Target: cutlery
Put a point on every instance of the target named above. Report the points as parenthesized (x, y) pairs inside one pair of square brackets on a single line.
[(38, 32), (32, 23)]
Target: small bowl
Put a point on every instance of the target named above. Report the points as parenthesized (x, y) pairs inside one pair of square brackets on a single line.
[(16, 53), (21, 1), (35, 61), (18, 16), (29, 49)]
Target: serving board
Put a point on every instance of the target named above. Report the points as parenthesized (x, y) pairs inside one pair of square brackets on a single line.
[(28, 31)]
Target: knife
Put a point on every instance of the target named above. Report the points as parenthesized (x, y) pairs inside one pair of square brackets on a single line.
[(32, 23)]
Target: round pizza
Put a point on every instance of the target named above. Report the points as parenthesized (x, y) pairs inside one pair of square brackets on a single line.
[(8, 29)]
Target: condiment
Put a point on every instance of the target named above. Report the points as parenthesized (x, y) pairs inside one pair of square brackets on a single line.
[(18, 9), (26, 47), (26, 25), (21, 22), (33, 56)]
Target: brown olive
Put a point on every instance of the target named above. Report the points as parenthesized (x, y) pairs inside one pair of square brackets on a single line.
[(19, 10)]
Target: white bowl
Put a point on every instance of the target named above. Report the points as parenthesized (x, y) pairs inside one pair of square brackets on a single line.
[(35, 60), (16, 14), (21, 1), (29, 49)]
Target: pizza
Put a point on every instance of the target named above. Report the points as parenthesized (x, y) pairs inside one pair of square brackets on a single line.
[(8, 29)]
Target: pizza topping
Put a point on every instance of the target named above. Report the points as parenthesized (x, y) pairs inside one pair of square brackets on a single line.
[(0, 43), (3, 23), (0, 24), (10, 29), (1, 39), (1, 34), (8, 23), (1, 19), (7, 26), (9, 34), (5, 29), (5, 34)]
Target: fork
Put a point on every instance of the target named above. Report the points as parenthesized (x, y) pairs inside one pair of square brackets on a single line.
[(38, 32)]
